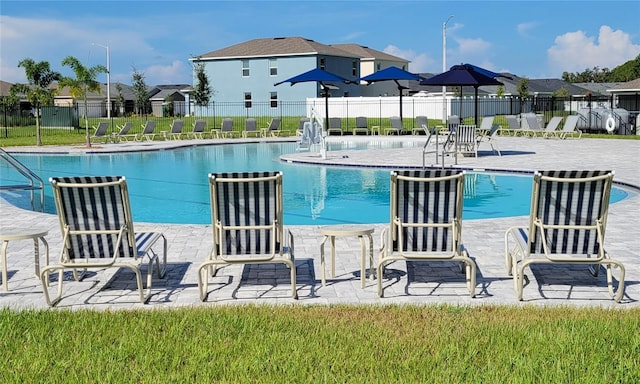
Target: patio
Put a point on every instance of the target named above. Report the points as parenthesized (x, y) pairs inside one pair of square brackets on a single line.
[(416, 283)]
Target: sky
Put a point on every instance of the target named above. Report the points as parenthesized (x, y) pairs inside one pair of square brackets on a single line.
[(533, 39)]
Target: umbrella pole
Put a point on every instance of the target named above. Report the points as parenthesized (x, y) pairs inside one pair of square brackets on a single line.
[(476, 105)]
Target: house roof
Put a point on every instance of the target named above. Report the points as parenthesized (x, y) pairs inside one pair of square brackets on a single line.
[(274, 46), (629, 86), (160, 92), (367, 53)]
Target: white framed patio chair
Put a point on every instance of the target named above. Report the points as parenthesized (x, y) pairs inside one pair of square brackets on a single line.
[(246, 216), (567, 225), (176, 129), (426, 221), (199, 127), (123, 133), (148, 131), (100, 132), (551, 130), (362, 125), (250, 128), (97, 230)]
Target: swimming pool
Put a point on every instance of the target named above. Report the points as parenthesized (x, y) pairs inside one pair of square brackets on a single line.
[(171, 186)]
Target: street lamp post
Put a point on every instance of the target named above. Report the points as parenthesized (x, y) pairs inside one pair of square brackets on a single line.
[(108, 80), (444, 69)]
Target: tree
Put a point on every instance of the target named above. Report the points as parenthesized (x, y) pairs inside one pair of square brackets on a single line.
[(523, 88), (561, 92), (85, 81), (500, 91), (202, 91), (119, 99), (140, 91), (38, 91)]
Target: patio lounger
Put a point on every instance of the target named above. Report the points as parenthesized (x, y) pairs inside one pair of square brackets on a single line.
[(551, 130), (570, 127), (361, 125), (247, 214), (176, 129), (567, 225), (227, 129), (514, 125), (422, 126), (147, 132), (426, 221), (274, 127), (490, 137), (396, 126), (123, 134), (250, 128), (335, 125), (100, 132), (198, 129), (97, 231), (467, 140), (532, 126)]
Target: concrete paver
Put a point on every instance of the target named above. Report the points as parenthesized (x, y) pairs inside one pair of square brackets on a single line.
[(405, 283)]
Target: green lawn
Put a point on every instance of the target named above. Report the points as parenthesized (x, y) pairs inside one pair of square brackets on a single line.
[(325, 344)]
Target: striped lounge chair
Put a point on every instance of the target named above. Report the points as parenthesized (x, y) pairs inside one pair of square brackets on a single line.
[(246, 213), (566, 225), (97, 229), (426, 221)]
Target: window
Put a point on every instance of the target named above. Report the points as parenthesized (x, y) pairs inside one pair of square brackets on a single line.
[(245, 68), (354, 68), (273, 99), (377, 66), (323, 63), (273, 67), (247, 99)]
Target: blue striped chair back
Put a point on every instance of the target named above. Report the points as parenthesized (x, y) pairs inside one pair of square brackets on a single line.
[(571, 208), (426, 210), (96, 211), (247, 212)]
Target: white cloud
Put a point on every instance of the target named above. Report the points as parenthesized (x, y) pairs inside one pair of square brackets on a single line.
[(419, 62), (176, 73), (576, 51), (523, 29)]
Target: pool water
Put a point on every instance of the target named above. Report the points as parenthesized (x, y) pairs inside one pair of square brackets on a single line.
[(171, 186)]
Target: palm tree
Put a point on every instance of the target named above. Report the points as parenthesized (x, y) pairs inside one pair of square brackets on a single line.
[(40, 76), (84, 82)]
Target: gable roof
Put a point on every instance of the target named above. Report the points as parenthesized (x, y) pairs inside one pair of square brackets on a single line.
[(367, 53), (274, 46), (629, 86)]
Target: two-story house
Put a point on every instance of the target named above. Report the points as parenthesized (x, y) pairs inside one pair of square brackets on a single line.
[(249, 70)]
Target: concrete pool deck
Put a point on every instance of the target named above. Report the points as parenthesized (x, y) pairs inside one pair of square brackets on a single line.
[(405, 283)]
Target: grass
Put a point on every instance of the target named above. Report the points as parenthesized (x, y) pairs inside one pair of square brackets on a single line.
[(25, 136), (325, 344)]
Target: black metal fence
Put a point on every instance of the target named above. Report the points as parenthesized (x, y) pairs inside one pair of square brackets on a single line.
[(57, 120)]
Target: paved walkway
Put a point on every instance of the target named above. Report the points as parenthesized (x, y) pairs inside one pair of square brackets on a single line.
[(405, 283)]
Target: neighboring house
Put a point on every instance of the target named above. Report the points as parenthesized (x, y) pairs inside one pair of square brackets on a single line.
[(249, 70), (372, 61), (122, 102), (168, 100), (627, 95)]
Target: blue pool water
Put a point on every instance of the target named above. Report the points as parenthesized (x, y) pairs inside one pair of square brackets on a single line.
[(171, 186)]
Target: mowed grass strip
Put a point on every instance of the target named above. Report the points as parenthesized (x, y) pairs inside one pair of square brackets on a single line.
[(324, 344)]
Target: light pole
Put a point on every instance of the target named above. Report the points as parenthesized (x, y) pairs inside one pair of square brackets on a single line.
[(108, 79), (444, 69)]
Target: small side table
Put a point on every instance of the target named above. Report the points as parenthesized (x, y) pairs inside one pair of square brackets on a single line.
[(34, 234), (333, 231), (375, 130)]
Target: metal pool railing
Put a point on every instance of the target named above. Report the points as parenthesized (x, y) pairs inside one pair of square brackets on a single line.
[(34, 182)]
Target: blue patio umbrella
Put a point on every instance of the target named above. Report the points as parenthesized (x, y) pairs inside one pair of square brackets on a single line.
[(319, 76), (464, 75), (392, 74)]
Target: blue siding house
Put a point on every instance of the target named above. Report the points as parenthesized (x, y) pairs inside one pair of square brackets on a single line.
[(249, 70)]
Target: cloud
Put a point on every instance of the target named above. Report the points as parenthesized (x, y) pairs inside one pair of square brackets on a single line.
[(576, 51), (175, 73), (419, 62), (524, 28)]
